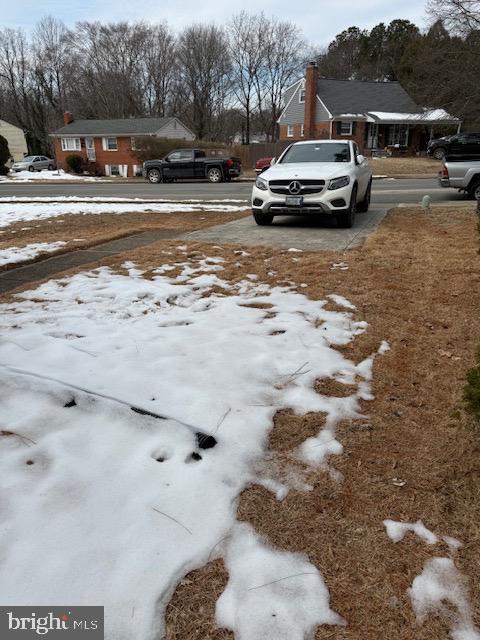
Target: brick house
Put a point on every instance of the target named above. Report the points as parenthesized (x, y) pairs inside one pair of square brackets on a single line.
[(377, 115), (110, 144)]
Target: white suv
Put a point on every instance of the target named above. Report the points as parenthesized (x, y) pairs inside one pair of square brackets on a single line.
[(318, 176)]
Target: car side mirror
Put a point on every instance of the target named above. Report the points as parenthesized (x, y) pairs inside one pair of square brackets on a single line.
[(273, 161), (360, 159)]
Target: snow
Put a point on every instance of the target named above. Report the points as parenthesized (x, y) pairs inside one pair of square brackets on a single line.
[(440, 583), (32, 176), (28, 252), (271, 594), (384, 347), (102, 504), (431, 116), (396, 531), (12, 212)]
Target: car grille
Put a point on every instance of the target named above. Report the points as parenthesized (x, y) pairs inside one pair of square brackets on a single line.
[(307, 186)]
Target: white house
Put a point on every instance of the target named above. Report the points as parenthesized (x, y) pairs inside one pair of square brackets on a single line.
[(15, 138)]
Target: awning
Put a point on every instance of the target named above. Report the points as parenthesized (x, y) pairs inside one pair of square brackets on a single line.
[(428, 117)]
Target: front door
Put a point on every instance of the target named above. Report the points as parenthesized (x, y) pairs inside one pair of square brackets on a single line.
[(372, 137), (90, 147)]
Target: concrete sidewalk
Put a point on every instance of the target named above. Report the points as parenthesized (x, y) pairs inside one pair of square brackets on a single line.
[(43, 269)]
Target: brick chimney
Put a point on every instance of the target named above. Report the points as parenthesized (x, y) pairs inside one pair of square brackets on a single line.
[(311, 77), (68, 117)]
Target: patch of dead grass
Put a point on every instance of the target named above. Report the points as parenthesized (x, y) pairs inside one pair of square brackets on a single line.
[(417, 284), (397, 167)]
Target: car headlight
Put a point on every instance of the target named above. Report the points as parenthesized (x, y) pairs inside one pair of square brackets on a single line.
[(261, 183), (338, 183)]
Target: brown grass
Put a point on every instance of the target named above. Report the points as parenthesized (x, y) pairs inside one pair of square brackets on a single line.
[(401, 167), (89, 230), (417, 283)]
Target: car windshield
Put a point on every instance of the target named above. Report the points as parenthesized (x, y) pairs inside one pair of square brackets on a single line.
[(317, 152), (28, 159)]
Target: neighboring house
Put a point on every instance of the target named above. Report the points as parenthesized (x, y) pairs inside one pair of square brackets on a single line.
[(110, 144), (377, 115), (15, 137)]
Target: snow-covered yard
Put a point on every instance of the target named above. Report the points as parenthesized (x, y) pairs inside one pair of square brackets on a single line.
[(109, 505), (14, 210), (34, 176)]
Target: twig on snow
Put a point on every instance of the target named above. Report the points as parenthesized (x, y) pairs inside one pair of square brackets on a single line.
[(296, 575), (173, 519)]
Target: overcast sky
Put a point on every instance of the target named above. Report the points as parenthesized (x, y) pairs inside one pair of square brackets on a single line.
[(320, 20)]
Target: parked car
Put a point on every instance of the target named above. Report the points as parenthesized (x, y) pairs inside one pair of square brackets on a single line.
[(34, 163), (463, 175), (262, 164), (191, 163), (461, 145), (319, 176)]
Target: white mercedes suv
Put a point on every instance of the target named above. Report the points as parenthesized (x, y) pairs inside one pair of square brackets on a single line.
[(315, 176)]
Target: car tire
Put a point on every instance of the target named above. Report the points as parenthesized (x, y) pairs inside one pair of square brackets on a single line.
[(215, 175), (154, 176), (50, 167), (364, 205), (474, 189), (263, 219), (31, 168), (439, 153), (346, 220)]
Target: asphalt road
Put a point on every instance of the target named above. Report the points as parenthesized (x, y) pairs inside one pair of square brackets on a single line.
[(386, 192)]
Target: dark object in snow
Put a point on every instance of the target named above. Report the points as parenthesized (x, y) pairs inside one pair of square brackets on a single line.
[(160, 459), (29, 462), (205, 441), (196, 456), (144, 412), (70, 403)]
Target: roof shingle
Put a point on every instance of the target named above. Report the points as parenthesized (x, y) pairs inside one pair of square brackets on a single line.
[(123, 126), (357, 96)]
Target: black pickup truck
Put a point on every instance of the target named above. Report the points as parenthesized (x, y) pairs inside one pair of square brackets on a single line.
[(191, 163)]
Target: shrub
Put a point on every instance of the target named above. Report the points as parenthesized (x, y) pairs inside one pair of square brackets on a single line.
[(4, 156), (74, 163), (471, 392)]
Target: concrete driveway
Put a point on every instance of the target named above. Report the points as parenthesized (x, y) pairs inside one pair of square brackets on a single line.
[(312, 234)]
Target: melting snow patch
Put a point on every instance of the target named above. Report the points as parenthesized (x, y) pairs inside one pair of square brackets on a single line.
[(440, 583), (11, 212), (396, 531), (339, 266), (384, 347), (121, 504), (271, 593), (341, 301), (28, 252)]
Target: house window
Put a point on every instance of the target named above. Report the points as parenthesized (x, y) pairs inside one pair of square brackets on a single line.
[(289, 130), (110, 144), (302, 130), (133, 144), (397, 135), (71, 144), (301, 96), (346, 128)]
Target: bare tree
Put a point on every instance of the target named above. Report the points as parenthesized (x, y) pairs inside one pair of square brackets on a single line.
[(246, 48), (160, 70), (204, 68), (282, 61), (459, 16)]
